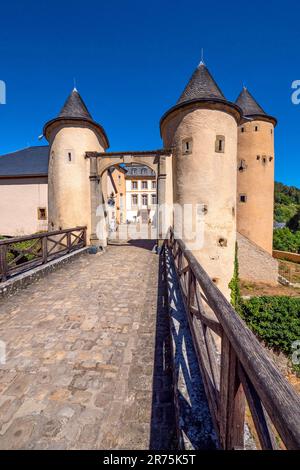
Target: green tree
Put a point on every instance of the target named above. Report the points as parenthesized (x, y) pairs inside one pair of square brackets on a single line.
[(234, 285), (285, 240), (294, 223)]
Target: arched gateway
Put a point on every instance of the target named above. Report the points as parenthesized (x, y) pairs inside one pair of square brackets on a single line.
[(160, 161)]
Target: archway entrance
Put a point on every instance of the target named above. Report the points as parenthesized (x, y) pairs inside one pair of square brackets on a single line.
[(130, 199), (129, 210)]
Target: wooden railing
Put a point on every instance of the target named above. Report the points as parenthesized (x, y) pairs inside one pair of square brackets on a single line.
[(234, 365), (22, 253)]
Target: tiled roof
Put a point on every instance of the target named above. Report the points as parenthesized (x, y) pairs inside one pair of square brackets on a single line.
[(139, 170), (32, 161), (248, 104), (76, 110), (200, 86), (75, 107)]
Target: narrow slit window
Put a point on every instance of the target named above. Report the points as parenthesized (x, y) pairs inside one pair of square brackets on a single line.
[(187, 146), (242, 166), (243, 198), (69, 156), (220, 144)]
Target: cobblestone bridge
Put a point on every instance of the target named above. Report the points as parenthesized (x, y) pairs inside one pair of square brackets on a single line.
[(88, 357)]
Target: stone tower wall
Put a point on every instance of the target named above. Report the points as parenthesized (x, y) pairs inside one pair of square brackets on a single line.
[(256, 182), (208, 177), (68, 182)]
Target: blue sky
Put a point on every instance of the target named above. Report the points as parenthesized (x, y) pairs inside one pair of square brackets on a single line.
[(132, 59)]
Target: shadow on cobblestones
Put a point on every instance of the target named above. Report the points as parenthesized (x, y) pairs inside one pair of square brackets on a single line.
[(163, 423), (195, 422)]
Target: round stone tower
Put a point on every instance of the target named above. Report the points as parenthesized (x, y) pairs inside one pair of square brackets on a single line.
[(202, 129), (70, 136), (255, 193)]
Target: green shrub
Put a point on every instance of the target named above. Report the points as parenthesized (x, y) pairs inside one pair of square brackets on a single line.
[(276, 320), (285, 240), (25, 245)]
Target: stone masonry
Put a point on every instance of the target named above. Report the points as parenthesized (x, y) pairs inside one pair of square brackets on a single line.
[(85, 365)]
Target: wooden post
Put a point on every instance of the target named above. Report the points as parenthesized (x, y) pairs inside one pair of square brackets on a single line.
[(69, 241), (232, 400), (45, 249), (3, 262)]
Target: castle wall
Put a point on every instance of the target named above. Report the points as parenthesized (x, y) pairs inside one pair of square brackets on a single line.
[(20, 199), (205, 176), (69, 171), (256, 264), (256, 182)]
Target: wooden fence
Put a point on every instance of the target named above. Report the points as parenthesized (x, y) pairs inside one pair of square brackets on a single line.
[(22, 253), (286, 255), (241, 370)]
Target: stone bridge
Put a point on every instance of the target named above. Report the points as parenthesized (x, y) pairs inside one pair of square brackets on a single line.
[(130, 349), (89, 361)]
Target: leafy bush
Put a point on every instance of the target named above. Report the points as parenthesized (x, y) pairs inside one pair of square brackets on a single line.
[(294, 222), (285, 240), (25, 245), (276, 320)]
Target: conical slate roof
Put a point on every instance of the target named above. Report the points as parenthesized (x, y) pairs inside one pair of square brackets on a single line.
[(201, 86), (248, 104), (75, 107)]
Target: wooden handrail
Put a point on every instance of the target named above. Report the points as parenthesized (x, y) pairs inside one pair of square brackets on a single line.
[(245, 367), (7, 241), (46, 247)]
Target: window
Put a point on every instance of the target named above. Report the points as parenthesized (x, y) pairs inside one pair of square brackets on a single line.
[(134, 184), (257, 157), (42, 213), (119, 179), (242, 166), (69, 156), (270, 159), (145, 200), (134, 171), (134, 199), (256, 128), (242, 129), (144, 171), (153, 199), (153, 184), (264, 160), (187, 146), (243, 198), (144, 184), (220, 144)]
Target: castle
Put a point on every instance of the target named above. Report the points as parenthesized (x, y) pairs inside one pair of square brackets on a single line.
[(216, 153)]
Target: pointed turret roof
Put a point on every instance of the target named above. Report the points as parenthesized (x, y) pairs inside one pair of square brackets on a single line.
[(203, 91), (200, 86), (75, 109), (248, 104)]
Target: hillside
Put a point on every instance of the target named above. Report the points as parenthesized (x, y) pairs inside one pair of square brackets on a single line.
[(287, 210)]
